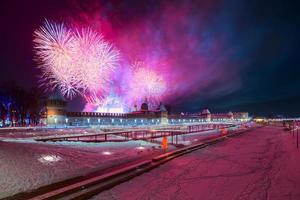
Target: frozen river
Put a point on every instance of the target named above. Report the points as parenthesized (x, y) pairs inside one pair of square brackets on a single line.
[(262, 164), (26, 164)]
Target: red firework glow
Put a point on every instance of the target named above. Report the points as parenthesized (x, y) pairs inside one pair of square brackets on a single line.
[(182, 56)]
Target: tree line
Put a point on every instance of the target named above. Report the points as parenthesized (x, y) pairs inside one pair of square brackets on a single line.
[(18, 106)]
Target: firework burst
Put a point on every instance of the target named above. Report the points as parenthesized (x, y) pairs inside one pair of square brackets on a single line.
[(53, 48), (76, 61), (97, 59), (146, 83)]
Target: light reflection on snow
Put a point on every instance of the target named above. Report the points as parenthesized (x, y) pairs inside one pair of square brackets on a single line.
[(48, 159), (106, 153), (140, 148)]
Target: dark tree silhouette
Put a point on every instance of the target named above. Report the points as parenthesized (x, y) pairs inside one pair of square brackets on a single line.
[(20, 104)]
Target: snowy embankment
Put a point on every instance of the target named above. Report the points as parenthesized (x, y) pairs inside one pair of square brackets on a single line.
[(262, 164), (36, 133), (26, 166)]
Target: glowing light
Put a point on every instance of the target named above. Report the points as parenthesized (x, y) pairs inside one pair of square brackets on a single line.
[(140, 148), (106, 153), (47, 159), (110, 104)]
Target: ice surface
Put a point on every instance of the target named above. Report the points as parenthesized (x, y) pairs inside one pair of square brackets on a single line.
[(262, 164), (26, 164)]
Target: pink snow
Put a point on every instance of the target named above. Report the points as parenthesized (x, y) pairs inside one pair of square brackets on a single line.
[(26, 166), (261, 164)]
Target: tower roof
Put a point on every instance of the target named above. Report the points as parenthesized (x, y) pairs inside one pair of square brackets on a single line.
[(205, 112), (144, 107), (162, 107)]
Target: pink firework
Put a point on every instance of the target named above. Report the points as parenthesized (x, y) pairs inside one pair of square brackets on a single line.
[(53, 44), (97, 60), (146, 83), (76, 61)]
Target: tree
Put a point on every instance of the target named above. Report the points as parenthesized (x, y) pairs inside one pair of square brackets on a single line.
[(19, 104), (36, 100)]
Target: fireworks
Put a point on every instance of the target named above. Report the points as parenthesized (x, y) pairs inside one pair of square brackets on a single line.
[(75, 62), (81, 61), (97, 59), (53, 47), (146, 83)]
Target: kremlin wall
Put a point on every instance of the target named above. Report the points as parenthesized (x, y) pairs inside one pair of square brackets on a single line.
[(56, 114)]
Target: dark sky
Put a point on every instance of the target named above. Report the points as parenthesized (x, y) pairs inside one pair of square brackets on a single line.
[(249, 50)]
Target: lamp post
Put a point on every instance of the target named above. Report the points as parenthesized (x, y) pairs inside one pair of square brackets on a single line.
[(293, 128), (55, 121), (13, 117), (297, 137)]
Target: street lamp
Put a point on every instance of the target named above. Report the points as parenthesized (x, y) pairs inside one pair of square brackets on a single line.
[(55, 121)]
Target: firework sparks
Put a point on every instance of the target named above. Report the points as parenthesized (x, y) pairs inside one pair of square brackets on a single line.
[(146, 83), (97, 59), (74, 61), (53, 47)]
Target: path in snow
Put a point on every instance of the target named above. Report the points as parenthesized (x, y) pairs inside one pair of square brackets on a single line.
[(262, 164)]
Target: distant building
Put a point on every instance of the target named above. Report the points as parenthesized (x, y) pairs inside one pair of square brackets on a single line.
[(205, 115), (56, 109)]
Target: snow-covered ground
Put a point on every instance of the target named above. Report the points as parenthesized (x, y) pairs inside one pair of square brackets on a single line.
[(26, 164), (29, 165), (44, 132), (261, 164)]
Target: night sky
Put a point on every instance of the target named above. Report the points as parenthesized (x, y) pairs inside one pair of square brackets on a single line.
[(225, 55)]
